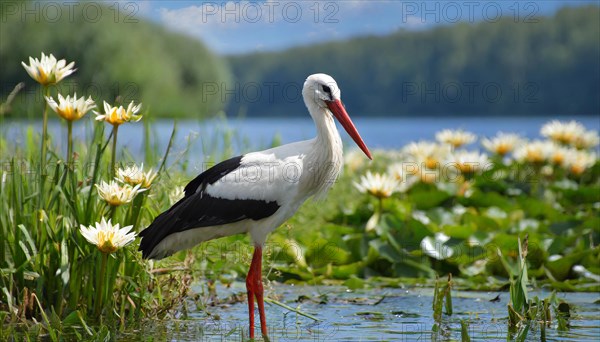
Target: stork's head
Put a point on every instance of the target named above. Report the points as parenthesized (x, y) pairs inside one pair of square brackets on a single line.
[(321, 91)]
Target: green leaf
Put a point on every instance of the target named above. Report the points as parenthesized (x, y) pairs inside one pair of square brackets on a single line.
[(424, 200), (354, 283), (561, 267)]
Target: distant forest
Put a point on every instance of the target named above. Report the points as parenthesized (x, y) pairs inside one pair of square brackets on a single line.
[(119, 58), (504, 68)]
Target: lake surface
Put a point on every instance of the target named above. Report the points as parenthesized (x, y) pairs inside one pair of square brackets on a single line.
[(244, 135), (390, 314)]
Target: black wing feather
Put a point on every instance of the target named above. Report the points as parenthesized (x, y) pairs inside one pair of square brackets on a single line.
[(199, 209)]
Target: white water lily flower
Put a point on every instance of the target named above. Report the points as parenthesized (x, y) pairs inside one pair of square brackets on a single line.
[(502, 143), (117, 194), (106, 236), (47, 70), (563, 132), (577, 162), (558, 154), (354, 159), (428, 176), (430, 154), (456, 138), (587, 140), (535, 152), (378, 185), (468, 162), (402, 172), (118, 115), (435, 248), (134, 175), (71, 108)]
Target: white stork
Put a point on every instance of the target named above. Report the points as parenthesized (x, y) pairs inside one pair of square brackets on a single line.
[(258, 191)]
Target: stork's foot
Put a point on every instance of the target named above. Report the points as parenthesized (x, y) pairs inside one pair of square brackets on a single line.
[(254, 286)]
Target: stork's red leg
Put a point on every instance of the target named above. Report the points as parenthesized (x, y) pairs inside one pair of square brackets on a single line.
[(254, 286)]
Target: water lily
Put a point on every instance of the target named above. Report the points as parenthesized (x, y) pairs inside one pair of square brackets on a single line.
[(106, 236), (469, 162), (134, 175), (377, 185), (502, 143), (427, 153), (558, 153), (435, 246), (563, 132), (455, 138), (71, 108), (117, 194), (428, 176), (354, 159), (119, 115), (578, 162), (534, 152), (402, 173), (380, 186), (47, 70), (587, 140)]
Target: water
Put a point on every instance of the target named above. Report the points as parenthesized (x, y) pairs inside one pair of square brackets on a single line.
[(258, 133), (389, 314)]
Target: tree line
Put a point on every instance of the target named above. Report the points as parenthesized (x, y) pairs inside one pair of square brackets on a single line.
[(547, 67)]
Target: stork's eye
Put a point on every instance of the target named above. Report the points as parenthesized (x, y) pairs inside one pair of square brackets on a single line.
[(326, 89)]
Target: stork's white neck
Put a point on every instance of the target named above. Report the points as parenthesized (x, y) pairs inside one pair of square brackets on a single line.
[(327, 154)]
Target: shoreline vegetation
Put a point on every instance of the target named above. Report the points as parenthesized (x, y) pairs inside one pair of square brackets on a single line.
[(522, 213)]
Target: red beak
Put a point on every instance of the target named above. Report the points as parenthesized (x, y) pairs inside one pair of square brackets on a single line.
[(338, 110)]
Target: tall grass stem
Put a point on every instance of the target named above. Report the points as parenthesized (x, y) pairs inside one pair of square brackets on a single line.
[(114, 151), (100, 287)]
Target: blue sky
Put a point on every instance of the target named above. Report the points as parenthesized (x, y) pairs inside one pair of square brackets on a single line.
[(248, 26)]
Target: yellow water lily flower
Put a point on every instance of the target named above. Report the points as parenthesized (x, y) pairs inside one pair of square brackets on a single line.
[(47, 70), (71, 108), (118, 115), (117, 194), (106, 236), (134, 175)]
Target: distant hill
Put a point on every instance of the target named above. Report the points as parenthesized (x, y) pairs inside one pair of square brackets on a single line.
[(502, 68), (115, 55)]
